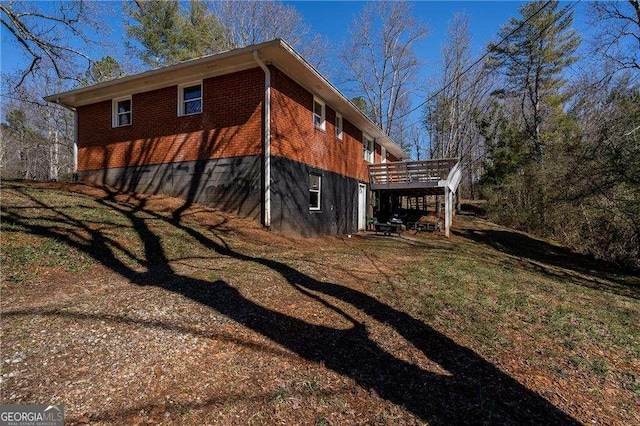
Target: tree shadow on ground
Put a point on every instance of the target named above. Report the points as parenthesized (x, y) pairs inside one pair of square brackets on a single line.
[(475, 392), (557, 261)]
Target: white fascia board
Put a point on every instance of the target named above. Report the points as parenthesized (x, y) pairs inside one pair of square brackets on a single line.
[(231, 60)]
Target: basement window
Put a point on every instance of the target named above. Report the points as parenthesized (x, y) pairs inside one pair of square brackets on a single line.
[(338, 126), (190, 98), (319, 113), (121, 112), (315, 186)]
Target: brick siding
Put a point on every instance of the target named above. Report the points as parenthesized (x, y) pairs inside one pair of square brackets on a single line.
[(230, 125), (295, 136)]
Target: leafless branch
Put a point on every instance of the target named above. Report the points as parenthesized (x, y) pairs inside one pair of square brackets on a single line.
[(618, 39), (381, 63), (48, 38)]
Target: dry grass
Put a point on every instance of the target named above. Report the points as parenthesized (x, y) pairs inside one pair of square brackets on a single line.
[(134, 309)]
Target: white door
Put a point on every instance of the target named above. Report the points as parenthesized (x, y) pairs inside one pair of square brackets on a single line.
[(362, 206)]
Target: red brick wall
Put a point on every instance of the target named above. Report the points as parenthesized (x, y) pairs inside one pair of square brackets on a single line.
[(295, 136), (230, 125), (377, 154)]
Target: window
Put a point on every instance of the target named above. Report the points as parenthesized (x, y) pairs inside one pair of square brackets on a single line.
[(318, 113), (338, 126), (367, 148), (315, 185), (122, 112), (190, 98)]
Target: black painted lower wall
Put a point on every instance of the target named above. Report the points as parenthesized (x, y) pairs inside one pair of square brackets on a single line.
[(290, 212), (235, 185), (230, 184)]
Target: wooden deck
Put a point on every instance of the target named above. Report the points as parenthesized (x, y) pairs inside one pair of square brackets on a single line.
[(411, 174), (435, 177)]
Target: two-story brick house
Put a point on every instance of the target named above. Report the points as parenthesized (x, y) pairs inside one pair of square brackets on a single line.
[(255, 131)]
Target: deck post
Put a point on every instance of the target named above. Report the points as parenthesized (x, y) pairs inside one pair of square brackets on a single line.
[(452, 206), (447, 210)]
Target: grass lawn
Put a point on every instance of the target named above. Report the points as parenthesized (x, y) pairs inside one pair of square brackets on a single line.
[(136, 309)]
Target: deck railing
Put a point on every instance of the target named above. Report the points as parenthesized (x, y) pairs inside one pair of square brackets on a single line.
[(411, 171)]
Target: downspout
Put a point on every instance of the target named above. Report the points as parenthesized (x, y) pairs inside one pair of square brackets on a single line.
[(75, 145), (267, 140)]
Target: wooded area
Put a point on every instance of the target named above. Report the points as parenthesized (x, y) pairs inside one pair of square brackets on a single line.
[(553, 148)]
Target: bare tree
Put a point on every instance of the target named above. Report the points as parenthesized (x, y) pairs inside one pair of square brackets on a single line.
[(24, 151), (37, 136), (418, 140), (48, 33), (600, 181), (381, 62), (454, 114), (450, 112), (619, 36), (251, 22)]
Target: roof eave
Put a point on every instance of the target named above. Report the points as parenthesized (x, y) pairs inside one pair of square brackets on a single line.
[(104, 86), (224, 63)]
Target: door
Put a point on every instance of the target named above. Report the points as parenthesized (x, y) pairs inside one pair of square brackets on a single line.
[(362, 206)]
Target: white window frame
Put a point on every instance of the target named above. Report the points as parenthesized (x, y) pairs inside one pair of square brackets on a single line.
[(339, 125), (368, 148), (181, 101), (114, 111), (319, 191), (323, 114)]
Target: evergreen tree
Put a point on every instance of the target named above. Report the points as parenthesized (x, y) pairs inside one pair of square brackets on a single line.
[(104, 69), (504, 145), (535, 50), (202, 33), (539, 45), (362, 105), (167, 34)]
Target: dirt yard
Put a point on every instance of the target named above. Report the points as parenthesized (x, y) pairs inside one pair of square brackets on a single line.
[(133, 309)]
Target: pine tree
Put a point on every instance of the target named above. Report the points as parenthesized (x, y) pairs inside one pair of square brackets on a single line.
[(536, 49), (202, 33), (104, 69), (167, 34), (539, 45)]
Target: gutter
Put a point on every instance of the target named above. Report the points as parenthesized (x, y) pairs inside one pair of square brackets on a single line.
[(267, 139)]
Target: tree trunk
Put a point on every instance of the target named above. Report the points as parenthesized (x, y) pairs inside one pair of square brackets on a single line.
[(54, 157)]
